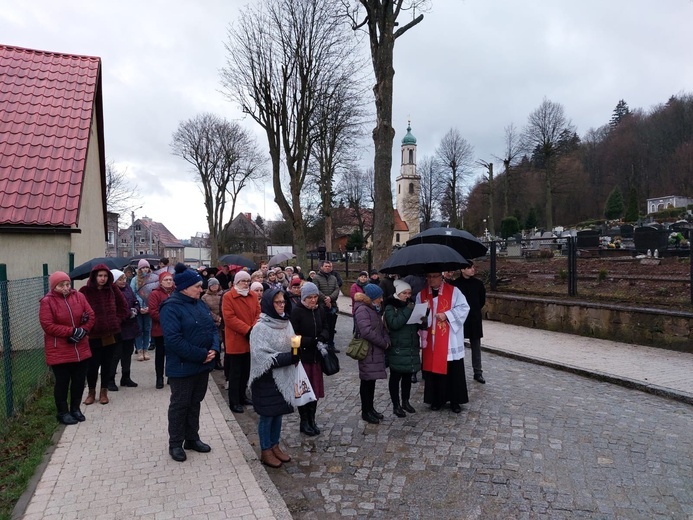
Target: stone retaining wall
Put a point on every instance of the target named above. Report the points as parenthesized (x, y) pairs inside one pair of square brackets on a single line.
[(655, 327)]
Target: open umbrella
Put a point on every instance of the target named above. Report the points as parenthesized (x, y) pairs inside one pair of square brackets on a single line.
[(238, 260), (423, 258), (82, 271), (460, 240), (279, 258)]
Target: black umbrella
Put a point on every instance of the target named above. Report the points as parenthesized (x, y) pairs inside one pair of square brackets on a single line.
[(460, 240), (279, 258), (238, 260), (82, 271), (423, 258)]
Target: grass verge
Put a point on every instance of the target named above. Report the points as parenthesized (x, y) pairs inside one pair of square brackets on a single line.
[(26, 439)]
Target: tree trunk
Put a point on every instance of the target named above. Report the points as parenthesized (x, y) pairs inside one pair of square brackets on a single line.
[(491, 194), (549, 198), (383, 137), (328, 231)]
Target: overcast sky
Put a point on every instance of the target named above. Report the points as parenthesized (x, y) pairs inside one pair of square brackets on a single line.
[(477, 65)]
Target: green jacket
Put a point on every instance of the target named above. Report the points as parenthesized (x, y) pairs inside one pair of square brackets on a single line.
[(403, 355)]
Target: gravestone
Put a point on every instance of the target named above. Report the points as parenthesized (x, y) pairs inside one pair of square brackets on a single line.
[(649, 237), (627, 231), (588, 238)]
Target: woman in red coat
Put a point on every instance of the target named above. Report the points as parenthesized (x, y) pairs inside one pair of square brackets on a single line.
[(66, 318), (156, 298)]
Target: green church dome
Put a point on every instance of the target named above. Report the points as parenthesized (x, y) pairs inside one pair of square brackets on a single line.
[(409, 139)]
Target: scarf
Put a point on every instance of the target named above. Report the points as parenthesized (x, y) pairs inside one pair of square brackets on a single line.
[(270, 337)]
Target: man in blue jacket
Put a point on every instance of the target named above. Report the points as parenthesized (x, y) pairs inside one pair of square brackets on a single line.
[(192, 342)]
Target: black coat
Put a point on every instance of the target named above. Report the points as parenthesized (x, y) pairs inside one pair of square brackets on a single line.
[(267, 399), (311, 325), (475, 293)]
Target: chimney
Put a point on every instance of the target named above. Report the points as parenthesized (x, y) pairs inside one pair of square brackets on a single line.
[(249, 216)]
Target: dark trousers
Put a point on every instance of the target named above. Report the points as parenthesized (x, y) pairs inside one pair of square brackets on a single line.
[(159, 356), (475, 344), (101, 357), (239, 373), (367, 393), (397, 378), (184, 409), (69, 377), (441, 388), (122, 355), (331, 315)]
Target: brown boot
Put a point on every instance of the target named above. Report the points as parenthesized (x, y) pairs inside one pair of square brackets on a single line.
[(268, 458), (284, 457), (103, 398), (91, 396)]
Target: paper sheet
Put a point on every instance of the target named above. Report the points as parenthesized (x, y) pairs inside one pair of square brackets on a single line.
[(418, 313)]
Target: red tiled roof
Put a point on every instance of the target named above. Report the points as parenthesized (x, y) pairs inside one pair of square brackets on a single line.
[(46, 105), (400, 225)]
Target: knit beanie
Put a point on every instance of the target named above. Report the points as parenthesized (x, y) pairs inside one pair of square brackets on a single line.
[(117, 273), (212, 281), (373, 291), (401, 286), (240, 276), (164, 274), (142, 263), (185, 277), (256, 286), (56, 278), (295, 281), (308, 289)]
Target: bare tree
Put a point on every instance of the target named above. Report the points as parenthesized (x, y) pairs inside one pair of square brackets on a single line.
[(431, 190), (380, 18), (512, 150), (336, 129), (121, 195), (455, 156), (356, 190), (280, 55), (491, 195), (545, 127), (225, 159)]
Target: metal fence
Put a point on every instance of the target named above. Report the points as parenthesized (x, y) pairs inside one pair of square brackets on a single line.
[(24, 366), (348, 262), (563, 268)]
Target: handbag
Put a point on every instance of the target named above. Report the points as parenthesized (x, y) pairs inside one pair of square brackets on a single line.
[(357, 348), (303, 391), (329, 362)]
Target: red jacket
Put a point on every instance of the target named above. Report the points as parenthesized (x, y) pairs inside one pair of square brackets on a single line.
[(59, 315), (109, 305), (240, 314), (156, 298)]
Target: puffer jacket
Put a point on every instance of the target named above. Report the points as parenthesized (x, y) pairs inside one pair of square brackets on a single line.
[(59, 316), (189, 333), (240, 314), (370, 326), (403, 355), (108, 303), (311, 325)]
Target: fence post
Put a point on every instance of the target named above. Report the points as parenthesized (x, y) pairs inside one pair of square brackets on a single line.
[(6, 346), (370, 261), (492, 275), (346, 264), (571, 272), (71, 262), (690, 245), (45, 279)]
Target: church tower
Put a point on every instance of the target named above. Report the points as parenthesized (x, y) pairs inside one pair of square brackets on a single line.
[(408, 186)]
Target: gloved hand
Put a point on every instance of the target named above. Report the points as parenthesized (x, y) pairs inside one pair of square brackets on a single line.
[(77, 335)]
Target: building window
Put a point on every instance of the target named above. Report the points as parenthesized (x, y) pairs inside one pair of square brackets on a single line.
[(137, 227), (123, 240), (397, 238), (111, 237), (411, 156), (141, 240), (411, 188), (399, 189)]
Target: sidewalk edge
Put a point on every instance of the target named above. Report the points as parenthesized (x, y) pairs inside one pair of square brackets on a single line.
[(594, 374)]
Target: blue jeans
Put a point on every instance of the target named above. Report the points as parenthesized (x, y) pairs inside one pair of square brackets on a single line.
[(145, 323), (269, 429)]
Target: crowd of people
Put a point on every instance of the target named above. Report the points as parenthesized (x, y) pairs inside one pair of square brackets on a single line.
[(264, 322)]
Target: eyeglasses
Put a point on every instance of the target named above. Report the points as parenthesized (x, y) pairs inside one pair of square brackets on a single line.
[(280, 302)]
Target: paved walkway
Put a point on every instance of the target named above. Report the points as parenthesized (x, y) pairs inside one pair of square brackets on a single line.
[(116, 464), (655, 370)]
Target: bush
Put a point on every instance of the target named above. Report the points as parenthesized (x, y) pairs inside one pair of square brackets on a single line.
[(509, 226), (545, 253), (603, 273)]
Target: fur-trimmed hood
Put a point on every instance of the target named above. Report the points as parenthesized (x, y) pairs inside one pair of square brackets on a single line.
[(362, 298)]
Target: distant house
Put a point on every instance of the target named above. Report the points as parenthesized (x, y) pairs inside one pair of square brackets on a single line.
[(670, 201), (52, 163), (145, 236), (244, 235)]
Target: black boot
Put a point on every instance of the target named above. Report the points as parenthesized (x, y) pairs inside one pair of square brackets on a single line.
[(305, 421), (112, 386), (126, 381), (159, 383), (312, 407), (397, 410), (407, 407)]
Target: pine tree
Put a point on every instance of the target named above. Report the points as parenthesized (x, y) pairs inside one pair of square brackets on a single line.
[(614, 204), (531, 221), (509, 226), (619, 113), (632, 213)]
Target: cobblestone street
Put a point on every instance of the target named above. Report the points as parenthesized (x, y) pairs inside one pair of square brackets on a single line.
[(533, 442)]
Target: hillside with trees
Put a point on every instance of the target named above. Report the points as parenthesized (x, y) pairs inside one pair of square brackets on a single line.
[(562, 179)]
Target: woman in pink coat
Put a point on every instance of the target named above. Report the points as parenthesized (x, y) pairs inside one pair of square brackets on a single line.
[(66, 318)]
